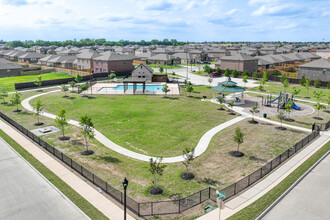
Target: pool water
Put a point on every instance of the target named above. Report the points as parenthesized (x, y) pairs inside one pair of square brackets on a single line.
[(149, 88)]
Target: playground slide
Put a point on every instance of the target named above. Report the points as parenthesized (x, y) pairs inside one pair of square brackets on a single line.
[(295, 106), (276, 98)]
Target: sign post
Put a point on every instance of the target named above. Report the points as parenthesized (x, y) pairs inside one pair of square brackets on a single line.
[(220, 201)]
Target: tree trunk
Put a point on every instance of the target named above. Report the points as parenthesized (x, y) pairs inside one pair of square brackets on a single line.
[(63, 131), (237, 147), (86, 142), (155, 180), (38, 118)]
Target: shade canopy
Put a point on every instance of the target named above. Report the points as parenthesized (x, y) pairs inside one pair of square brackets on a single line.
[(228, 86)]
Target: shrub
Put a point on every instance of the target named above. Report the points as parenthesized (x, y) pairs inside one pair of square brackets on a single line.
[(245, 73), (317, 82), (255, 75), (227, 72), (235, 73)]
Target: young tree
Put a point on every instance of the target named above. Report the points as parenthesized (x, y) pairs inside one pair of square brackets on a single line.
[(265, 76), (210, 80), (189, 156), (235, 73), (328, 85), (161, 69), (38, 81), (303, 80), (221, 100), (255, 75), (3, 94), (288, 107), (112, 76), (78, 78), (156, 168), (87, 129), (218, 71), (318, 107), (72, 84), (281, 117), (231, 105), (317, 82), (245, 79), (207, 69), (61, 121), (189, 89), (16, 100), (246, 73), (239, 139), (165, 89), (295, 91), (254, 110), (227, 72), (38, 110), (317, 95), (64, 89), (84, 88), (260, 88), (283, 78), (306, 85), (286, 84)]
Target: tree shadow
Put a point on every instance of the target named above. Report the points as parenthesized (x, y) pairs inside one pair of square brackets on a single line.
[(91, 97), (261, 160), (25, 113), (109, 159), (209, 181), (173, 98), (71, 97), (76, 142)]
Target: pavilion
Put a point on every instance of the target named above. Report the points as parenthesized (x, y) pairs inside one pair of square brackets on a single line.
[(230, 87), (135, 81)]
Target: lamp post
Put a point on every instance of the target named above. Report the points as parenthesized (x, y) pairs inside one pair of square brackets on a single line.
[(125, 184)]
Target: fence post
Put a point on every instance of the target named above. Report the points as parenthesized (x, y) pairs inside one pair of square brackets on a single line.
[(139, 209), (235, 188), (93, 178), (271, 165), (152, 208), (249, 180), (261, 172), (209, 192), (280, 158), (179, 205), (200, 196)]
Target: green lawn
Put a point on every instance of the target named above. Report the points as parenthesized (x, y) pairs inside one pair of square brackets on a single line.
[(215, 168), (9, 82), (276, 87), (76, 198), (150, 125), (200, 73), (255, 209)]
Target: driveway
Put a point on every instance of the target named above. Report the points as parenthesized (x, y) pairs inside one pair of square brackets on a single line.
[(309, 199), (26, 194)]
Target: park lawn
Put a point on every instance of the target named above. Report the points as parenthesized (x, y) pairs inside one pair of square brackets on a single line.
[(200, 73), (150, 125), (9, 82), (255, 209), (165, 66), (214, 168), (276, 87)]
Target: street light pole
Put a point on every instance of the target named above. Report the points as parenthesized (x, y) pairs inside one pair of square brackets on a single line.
[(125, 184)]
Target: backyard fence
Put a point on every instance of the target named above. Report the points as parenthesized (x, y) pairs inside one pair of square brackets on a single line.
[(172, 206)]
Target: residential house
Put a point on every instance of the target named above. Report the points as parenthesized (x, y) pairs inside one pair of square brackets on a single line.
[(143, 71), (316, 69), (30, 57), (164, 59), (85, 60), (8, 68), (240, 62), (113, 62)]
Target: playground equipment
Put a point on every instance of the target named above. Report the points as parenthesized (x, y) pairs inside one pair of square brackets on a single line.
[(282, 100)]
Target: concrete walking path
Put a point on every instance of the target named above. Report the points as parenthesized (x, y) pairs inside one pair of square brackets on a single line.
[(265, 185), (199, 149), (91, 194)]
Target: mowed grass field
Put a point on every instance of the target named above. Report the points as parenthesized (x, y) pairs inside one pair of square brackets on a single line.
[(9, 82), (150, 125), (214, 168), (277, 87)]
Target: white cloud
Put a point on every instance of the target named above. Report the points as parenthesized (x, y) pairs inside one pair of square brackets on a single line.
[(232, 11)]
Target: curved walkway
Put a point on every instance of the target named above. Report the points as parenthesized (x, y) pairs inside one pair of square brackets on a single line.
[(199, 149)]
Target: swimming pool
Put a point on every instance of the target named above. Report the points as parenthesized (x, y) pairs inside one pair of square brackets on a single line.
[(149, 88)]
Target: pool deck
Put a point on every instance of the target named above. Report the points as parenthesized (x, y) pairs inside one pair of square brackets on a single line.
[(95, 89)]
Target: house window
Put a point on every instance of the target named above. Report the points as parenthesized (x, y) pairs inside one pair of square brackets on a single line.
[(101, 62), (104, 70), (8, 71), (125, 63), (97, 62), (97, 70)]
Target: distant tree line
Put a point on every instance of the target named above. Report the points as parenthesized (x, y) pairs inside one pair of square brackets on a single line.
[(92, 42)]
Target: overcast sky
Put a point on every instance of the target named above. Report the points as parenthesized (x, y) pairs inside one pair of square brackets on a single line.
[(184, 20)]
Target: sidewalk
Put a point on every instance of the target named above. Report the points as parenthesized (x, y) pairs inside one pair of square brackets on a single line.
[(94, 197), (265, 185)]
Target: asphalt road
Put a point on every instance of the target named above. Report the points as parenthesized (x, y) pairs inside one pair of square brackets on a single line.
[(309, 199), (26, 194)]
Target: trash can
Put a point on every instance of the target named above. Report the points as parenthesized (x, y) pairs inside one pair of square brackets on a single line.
[(265, 115)]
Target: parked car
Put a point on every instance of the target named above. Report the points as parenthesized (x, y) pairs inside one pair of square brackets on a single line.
[(214, 74), (207, 62)]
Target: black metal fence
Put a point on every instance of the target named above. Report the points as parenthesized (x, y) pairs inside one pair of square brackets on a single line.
[(173, 206), (320, 126)]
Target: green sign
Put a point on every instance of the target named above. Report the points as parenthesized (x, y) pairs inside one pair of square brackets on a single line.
[(221, 195)]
